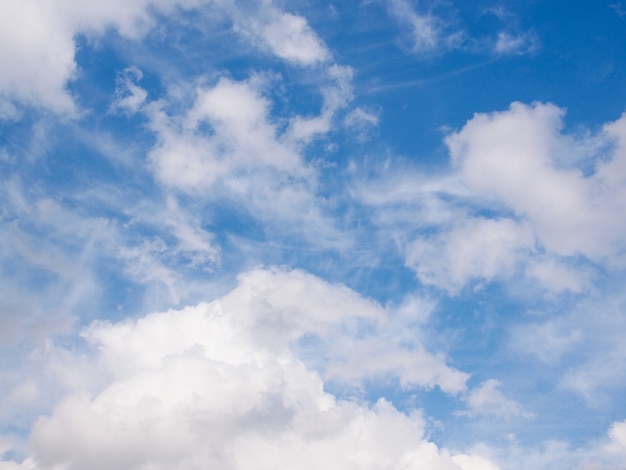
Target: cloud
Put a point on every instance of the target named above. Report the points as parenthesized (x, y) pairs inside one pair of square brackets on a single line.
[(336, 93), (551, 219), (513, 158), (128, 95), (477, 248), (241, 139), (617, 436), (38, 52), (287, 35), (38, 48), (361, 122), (437, 31), (488, 400), (227, 147), (548, 341), (218, 385), (425, 30), (511, 43), (557, 276), (580, 345)]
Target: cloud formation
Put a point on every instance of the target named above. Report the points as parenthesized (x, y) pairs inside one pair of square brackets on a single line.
[(219, 385), (39, 40), (518, 163), (157, 154)]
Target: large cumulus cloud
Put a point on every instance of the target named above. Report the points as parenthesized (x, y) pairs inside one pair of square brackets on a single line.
[(537, 201), (220, 385)]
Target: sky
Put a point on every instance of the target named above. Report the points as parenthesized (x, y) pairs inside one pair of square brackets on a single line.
[(360, 234)]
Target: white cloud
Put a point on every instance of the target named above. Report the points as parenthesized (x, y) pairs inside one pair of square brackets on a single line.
[(336, 93), (424, 29), (510, 43), (194, 242), (217, 385), (582, 345), (606, 453), (549, 220), (38, 41), (290, 37), (382, 359), (129, 96), (242, 139), (359, 117), (473, 462), (513, 157), (488, 400), (617, 435), (557, 276), (37, 53), (478, 248), (613, 170), (400, 195), (548, 341), (227, 147)]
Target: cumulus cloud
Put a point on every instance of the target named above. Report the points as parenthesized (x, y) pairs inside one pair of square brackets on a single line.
[(617, 435), (38, 46), (37, 54), (551, 220), (242, 139), (218, 385), (227, 147), (513, 157), (38, 51), (288, 36), (479, 248)]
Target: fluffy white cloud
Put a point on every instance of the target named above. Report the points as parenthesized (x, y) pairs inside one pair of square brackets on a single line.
[(548, 341), (617, 435), (478, 248), (38, 41), (558, 218), (288, 36), (218, 385), (241, 139), (336, 93), (37, 54), (558, 276), (227, 147), (515, 157)]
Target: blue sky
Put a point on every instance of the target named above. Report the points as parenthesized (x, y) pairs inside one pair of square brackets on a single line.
[(365, 234)]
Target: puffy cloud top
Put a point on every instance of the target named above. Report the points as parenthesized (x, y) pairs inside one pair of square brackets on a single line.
[(218, 386)]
